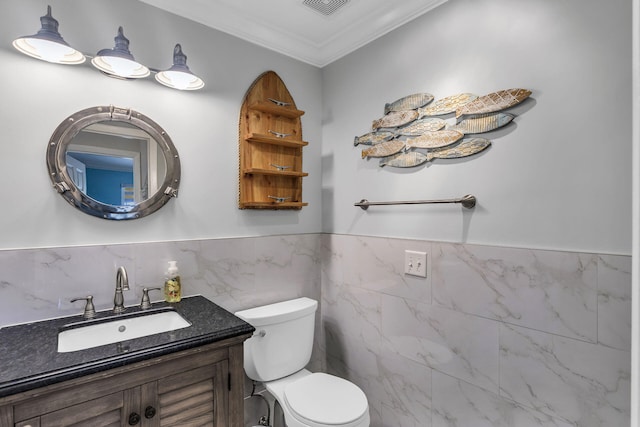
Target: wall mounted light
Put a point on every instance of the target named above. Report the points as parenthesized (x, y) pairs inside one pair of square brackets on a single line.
[(179, 76), (119, 62), (48, 45)]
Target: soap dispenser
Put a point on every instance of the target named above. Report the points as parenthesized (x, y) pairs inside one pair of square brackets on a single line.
[(172, 287)]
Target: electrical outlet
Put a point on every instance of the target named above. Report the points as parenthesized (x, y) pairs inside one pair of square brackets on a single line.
[(415, 263)]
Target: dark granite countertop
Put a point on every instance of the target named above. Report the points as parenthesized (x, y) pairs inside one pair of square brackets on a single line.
[(29, 355)]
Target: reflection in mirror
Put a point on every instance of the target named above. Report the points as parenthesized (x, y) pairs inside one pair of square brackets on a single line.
[(113, 163)]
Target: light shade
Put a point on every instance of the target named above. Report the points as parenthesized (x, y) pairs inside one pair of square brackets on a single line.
[(48, 45), (119, 62), (179, 76)]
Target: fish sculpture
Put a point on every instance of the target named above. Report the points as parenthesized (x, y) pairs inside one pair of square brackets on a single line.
[(436, 139), (493, 102), (384, 149), (409, 102), (373, 138), (447, 105), (421, 126), (484, 123), (407, 159), (410, 159), (395, 119), (467, 147)]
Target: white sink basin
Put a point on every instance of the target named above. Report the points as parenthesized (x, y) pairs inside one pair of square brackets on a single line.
[(119, 329)]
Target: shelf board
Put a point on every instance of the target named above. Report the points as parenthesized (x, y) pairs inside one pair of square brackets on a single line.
[(274, 205), (278, 110), (270, 139), (275, 172)]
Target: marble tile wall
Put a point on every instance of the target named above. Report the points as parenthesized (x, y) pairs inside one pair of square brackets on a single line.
[(37, 284), (492, 337)]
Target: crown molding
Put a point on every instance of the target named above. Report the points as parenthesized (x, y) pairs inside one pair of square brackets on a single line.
[(299, 32)]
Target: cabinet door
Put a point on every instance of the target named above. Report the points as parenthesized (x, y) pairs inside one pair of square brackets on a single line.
[(197, 397), (108, 401), (184, 389), (112, 410)]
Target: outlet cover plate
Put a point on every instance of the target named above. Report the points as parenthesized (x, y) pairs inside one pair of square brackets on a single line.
[(415, 263)]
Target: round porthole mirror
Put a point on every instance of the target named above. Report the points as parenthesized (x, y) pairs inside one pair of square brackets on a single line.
[(113, 163)]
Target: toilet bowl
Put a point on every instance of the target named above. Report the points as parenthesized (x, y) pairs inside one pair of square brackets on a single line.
[(320, 400), (277, 354)]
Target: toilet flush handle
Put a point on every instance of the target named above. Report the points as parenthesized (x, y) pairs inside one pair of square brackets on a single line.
[(261, 333)]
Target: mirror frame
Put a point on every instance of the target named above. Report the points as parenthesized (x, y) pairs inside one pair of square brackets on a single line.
[(62, 182)]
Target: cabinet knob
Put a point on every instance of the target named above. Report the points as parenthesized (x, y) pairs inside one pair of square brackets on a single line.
[(134, 419), (149, 412)]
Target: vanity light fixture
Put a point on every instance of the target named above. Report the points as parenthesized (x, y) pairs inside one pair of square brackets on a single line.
[(179, 76), (119, 62), (48, 45)]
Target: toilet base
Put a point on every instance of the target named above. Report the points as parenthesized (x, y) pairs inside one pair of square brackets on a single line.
[(276, 390)]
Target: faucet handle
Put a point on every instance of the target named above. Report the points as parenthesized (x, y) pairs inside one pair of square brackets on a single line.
[(89, 309), (146, 302)]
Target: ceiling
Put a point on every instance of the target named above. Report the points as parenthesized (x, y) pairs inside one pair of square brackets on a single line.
[(317, 32)]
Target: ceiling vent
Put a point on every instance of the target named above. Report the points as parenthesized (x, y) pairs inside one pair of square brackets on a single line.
[(325, 7)]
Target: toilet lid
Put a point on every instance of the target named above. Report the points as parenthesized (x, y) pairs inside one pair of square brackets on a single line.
[(325, 399)]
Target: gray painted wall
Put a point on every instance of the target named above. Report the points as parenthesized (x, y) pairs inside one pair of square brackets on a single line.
[(37, 96), (559, 177)]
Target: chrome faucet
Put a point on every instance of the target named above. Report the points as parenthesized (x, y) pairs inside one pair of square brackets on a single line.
[(122, 284)]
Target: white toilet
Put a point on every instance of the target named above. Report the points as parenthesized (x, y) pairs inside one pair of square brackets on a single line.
[(276, 355)]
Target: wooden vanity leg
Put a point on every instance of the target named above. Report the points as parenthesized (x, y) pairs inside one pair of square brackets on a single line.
[(236, 386)]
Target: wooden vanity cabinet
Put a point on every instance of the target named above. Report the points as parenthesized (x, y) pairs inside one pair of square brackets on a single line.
[(197, 387)]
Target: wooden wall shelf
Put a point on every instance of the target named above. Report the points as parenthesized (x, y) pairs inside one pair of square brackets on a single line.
[(272, 108), (270, 139), (270, 146), (274, 172), (275, 205)]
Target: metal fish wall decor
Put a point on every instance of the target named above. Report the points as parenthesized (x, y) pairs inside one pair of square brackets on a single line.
[(409, 102), (484, 123), (373, 138), (433, 140), (421, 126), (384, 149), (409, 134), (410, 159), (493, 102), (447, 105), (395, 119), (407, 159), (465, 148)]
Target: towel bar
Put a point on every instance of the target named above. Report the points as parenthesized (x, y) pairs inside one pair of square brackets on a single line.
[(467, 201)]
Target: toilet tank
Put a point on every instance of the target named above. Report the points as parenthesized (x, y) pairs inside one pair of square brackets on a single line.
[(282, 342)]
